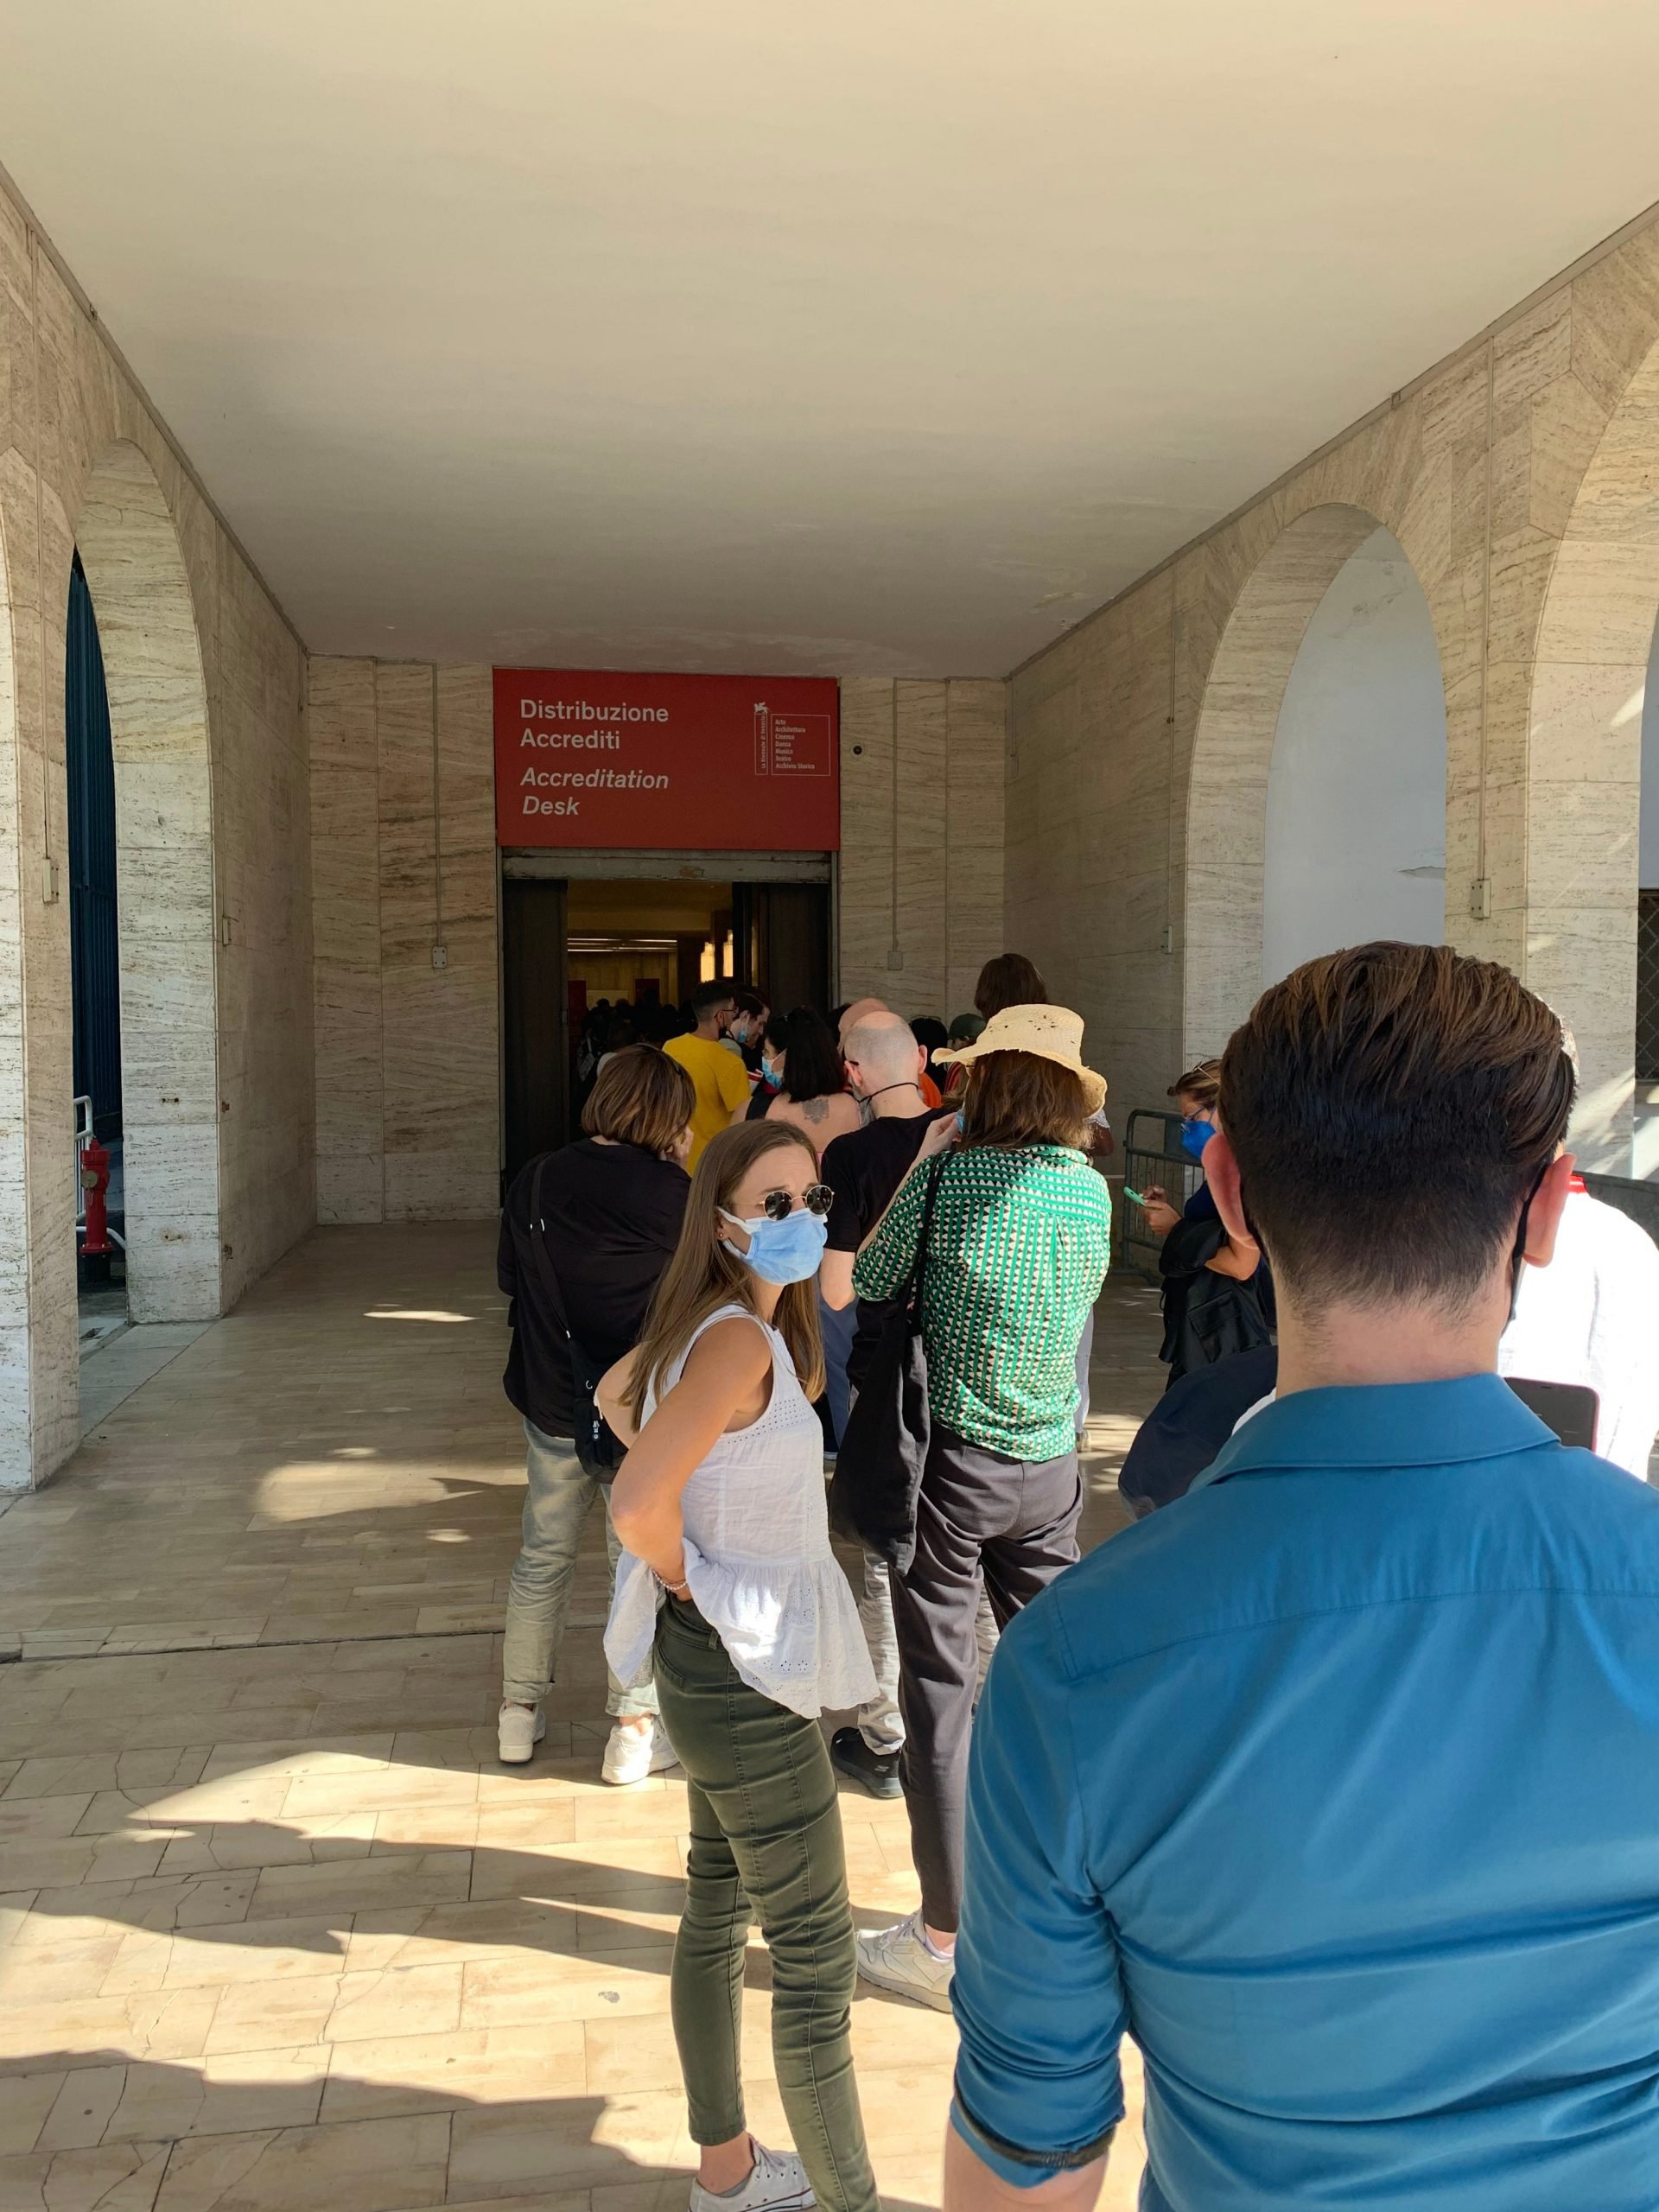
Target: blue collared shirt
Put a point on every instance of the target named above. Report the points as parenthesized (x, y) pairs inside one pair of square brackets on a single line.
[(1336, 1785)]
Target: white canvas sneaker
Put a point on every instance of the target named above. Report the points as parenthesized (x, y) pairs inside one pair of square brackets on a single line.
[(518, 1731), (633, 1753), (778, 2183), (899, 1959)]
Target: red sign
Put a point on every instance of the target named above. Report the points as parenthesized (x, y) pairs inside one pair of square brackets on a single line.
[(587, 757)]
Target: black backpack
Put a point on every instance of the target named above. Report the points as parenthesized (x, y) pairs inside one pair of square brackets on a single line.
[(599, 1449), (883, 1451)]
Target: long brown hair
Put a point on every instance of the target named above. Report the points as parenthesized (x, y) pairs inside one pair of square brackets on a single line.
[(705, 1273)]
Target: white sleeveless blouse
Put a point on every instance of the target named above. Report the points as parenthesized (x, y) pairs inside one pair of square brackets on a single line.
[(757, 1560)]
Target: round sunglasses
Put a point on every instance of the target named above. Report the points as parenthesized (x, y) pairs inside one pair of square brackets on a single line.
[(817, 1198)]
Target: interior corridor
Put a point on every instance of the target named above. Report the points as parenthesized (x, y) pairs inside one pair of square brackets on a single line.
[(277, 1931)]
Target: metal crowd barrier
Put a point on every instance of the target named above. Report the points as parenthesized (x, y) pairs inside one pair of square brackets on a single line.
[(1151, 1154)]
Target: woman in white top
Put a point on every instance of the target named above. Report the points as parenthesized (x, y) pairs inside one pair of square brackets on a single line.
[(729, 1591)]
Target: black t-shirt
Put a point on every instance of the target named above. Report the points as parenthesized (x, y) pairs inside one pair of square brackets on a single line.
[(612, 1216), (864, 1169)]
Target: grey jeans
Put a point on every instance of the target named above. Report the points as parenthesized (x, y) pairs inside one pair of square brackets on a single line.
[(557, 1506), (880, 1721)]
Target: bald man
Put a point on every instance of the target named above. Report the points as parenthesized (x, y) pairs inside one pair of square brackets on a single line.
[(853, 1014)]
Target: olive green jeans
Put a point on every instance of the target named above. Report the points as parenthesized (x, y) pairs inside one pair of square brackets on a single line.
[(765, 1832)]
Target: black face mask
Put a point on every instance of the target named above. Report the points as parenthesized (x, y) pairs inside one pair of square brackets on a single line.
[(1518, 1256)]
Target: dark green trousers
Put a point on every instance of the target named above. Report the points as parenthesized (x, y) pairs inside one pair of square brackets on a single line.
[(765, 1832)]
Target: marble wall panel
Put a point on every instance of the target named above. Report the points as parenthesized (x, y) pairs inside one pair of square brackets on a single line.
[(206, 683), (345, 939)]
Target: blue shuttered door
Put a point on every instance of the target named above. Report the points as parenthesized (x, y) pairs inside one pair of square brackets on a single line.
[(94, 941)]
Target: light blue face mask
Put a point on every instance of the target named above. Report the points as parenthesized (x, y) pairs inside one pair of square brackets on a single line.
[(1195, 1135), (783, 1251)]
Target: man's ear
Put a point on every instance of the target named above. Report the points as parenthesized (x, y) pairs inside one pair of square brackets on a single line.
[(1544, 1215), (1221, 1172)]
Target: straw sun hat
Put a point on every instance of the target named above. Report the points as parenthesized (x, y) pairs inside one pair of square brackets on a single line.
[(1052, 1033)]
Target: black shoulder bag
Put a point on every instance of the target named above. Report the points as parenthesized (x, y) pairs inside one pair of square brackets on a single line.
[(597, 1447), (884, 1446)]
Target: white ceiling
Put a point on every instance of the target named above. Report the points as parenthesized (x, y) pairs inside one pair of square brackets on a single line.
[(889, 336)]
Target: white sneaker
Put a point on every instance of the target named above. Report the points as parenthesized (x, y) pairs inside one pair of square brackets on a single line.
[(518, 1731), (776, 2183), (899, 1958), (633, 1753)]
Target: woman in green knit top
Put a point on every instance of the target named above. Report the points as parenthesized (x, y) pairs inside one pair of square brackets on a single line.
[(1016, 1253)]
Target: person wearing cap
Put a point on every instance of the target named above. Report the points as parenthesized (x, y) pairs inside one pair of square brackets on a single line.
[(1016, 1253)]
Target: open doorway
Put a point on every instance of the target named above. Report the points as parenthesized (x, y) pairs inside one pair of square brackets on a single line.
[(95, 974), (592, 960)]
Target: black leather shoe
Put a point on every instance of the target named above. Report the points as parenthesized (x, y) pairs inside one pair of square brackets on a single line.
[(877, 1770)]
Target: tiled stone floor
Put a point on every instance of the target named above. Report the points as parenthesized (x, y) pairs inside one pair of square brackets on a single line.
[(277, 1932)]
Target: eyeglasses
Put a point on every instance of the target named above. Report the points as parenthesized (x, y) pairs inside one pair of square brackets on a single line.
[(817, 1197)]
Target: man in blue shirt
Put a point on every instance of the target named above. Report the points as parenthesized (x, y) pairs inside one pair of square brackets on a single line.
[(1336, 1782)]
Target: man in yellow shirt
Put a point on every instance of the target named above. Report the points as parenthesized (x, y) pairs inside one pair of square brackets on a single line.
[(718, 1073)]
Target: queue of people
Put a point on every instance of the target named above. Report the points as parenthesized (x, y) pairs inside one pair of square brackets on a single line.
[(1333, 1781)]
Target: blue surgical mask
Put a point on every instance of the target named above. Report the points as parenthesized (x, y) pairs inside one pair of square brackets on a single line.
[(785, 1251), (1195, 1134), (771, 1076)]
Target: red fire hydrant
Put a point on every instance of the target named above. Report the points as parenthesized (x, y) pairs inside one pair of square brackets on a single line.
[(95, 1182)]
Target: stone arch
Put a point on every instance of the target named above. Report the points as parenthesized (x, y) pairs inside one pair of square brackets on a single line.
[(15, 1284), (1584, 763), (169, 911), (1232, 755)]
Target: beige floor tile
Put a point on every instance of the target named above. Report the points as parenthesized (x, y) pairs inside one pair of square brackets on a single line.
[(225, 2094), (265, 2015), (83, 2108), (25, 2101), (563, 2143), (34, 1973), (382, 2077), (257, 1951), (415, 2000), (498, 1992), (369, 2165), (365, 1884), (114, 2177), (166, 2023)]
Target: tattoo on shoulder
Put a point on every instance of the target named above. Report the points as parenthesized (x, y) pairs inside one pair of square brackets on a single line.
[(815, 1109)]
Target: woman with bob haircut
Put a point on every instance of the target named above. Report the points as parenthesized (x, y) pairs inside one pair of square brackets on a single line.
[(585, 1233), (1016, 1253), (729, 1591)]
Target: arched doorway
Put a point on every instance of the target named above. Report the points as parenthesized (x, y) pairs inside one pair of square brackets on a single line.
[(1644, 1145), (1355, 820), (1233, 759), (1585, 764), (151, 655)]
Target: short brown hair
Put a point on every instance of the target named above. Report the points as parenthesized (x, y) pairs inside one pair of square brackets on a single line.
[(1021, 1098), (641, 1097), (1202, 1083), (1391, 1109), (1009, 980)]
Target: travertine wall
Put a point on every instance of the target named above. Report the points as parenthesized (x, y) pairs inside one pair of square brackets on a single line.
[(408, 1058), (921, 781), (206, 690), (403, 835), (1518, 476)]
